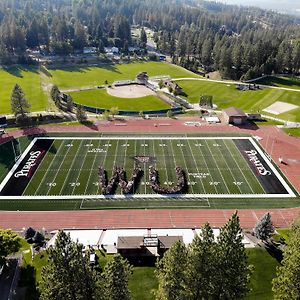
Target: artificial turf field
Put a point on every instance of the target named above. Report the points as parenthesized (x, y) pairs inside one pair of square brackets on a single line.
[(65, 168)]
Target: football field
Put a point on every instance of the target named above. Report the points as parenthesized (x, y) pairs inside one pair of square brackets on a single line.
[(210, 167)]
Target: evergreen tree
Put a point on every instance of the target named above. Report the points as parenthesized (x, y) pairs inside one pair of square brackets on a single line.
[(286, 285), (171, 274), (201, 265), (232, 275), (264, 228), (19, 104), (143, 38), (116, 276), (70, 103), (68, 274), (9, 244), (55, 95), (81, 114)]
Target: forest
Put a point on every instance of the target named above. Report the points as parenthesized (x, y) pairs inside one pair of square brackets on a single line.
[(240, 42)]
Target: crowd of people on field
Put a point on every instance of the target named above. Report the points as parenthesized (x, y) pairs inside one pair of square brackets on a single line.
[(179, 188)]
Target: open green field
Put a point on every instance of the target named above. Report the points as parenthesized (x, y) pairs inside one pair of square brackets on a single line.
[(226, 95), (292, 131), (100, 98), (283, 81), (85, 76), (29, 80)]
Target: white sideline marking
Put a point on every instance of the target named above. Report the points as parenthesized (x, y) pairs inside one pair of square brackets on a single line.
[(268, 162), (11, 172), (290, 194), (147, 196)]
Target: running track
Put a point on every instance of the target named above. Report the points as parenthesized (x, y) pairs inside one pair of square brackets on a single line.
[(276, 142)]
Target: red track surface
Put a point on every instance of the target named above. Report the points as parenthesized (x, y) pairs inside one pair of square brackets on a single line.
[(188, 218), (276, 143)]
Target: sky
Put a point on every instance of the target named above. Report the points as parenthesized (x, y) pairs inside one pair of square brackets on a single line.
[(288, 6)]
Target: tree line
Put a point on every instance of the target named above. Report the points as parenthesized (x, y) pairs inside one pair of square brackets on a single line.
[(199, 35)]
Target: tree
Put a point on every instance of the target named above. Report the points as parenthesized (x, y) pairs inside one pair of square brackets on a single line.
[(55, 95), (171, 274), (201, 265), (114, 111), (68, 274), (206, 101), (141, 114), (161, 84), (38, 239), (19, 104), (106, 114), (264, 228), (233, 273), (286, 285), (29, 233), (143, 38), (81, 114), (70, 103), (169, 113), (9, 243), (116, 276)]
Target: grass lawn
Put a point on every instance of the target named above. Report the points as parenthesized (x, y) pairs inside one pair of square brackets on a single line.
[(292, 131), (101, 99), (226, 95), (85, 76), (283, 81), (264, 271), (142, 283), (29, 80)]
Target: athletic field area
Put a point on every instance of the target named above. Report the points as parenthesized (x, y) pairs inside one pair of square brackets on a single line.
[(148, 167)]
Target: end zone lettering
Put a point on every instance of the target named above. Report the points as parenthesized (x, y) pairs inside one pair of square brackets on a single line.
[(31, 162), (252, 154)]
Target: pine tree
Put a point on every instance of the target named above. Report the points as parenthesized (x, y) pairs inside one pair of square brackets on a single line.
[(68, 274), (286, 285), (264, 228), (116, 276), (19, 104), (201, 264), (232, 275), (70, 103), (55, 95), (81, 114), (171, 274)]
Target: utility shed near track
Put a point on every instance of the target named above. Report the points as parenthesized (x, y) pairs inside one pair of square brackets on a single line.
[(234, 116)]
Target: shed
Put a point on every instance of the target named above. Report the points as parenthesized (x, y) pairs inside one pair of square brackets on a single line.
[(234, 116)]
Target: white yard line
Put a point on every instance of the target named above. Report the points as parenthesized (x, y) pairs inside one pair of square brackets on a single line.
[(40, 164), (194, 159), (186, 167), (163, 148), (49, 168), (229, 167), (70, 169), (207, 168), (239, 167), (91, 170), (80, 169), (217, 167), (57, 171)]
